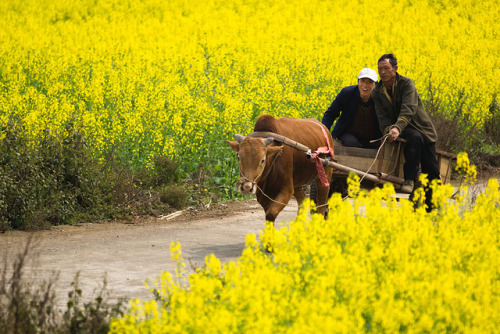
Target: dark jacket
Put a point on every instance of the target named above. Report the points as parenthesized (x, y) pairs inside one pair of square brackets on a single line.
[(345, 105), (407, 109)]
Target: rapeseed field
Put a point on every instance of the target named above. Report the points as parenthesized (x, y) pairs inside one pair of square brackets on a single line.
[(177, 78)]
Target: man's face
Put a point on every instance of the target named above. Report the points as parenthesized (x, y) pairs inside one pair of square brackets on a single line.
[(386, 71), (365, 87)]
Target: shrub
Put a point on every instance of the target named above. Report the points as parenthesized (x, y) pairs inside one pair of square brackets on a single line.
[(90, 317), (164, 172), (492, 122), (50, 181), (482, 145), (176, 197), (25, 308)]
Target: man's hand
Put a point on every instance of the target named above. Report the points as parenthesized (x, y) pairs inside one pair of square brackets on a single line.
[(393, 134)]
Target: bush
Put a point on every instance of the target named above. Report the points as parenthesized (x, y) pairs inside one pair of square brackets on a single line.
[(164, 172), (90, 317), (456, 134), (492, 123), (53, 179), (175, 197), (48, 180), (25, 308)]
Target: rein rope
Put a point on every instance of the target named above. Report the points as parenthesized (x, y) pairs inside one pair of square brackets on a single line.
[(273, 200)]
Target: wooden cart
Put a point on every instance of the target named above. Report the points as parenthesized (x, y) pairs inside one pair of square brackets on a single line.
[(372, 165), (387, 166)]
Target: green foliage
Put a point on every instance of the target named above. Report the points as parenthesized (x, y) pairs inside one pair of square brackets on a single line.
[(90, 317), (50, 181), (164, 172), (492, 123), (25, 308), (457, 133), (174, 196)]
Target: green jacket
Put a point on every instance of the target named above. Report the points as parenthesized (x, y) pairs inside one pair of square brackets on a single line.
[(407, 109)]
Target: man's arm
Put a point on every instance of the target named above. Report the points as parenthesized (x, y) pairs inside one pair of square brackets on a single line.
[(409, 105), (333, 112)]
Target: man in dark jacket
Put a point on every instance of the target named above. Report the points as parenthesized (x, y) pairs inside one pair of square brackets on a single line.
[(357, 121), (401, 114), (357, 124)]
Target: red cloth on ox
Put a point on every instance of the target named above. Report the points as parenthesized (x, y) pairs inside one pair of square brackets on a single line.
[(330, 149), (319, 164)]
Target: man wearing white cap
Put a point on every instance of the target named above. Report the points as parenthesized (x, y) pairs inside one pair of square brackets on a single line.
[(357, 122)]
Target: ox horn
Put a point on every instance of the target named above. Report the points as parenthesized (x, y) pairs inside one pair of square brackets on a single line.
[(268, 140), (239, 138)]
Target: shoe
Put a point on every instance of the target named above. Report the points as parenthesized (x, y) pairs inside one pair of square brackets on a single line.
[(407, 187)]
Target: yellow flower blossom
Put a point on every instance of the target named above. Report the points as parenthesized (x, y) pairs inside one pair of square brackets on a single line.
[(374, 265)]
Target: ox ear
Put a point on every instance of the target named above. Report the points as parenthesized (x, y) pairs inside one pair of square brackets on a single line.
[(234, 145), (268, 141), (239, 138)]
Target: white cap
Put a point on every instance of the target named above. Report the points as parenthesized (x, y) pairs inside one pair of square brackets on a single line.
[(368, 73)]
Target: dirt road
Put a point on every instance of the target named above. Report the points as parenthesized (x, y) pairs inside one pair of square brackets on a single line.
[(130, 252)]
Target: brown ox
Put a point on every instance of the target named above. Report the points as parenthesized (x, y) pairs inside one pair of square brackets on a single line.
[(276, 172)]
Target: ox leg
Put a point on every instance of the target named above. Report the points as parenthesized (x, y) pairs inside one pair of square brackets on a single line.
[(322, 192), (299, 195), (273, 207)]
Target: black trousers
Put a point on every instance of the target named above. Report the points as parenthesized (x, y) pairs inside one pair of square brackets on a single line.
[(418, 153), (348, 139)]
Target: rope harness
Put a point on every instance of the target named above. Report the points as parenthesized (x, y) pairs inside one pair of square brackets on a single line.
[(384, 139)]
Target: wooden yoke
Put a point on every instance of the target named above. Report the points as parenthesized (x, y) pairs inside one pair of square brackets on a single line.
[(281, 139)]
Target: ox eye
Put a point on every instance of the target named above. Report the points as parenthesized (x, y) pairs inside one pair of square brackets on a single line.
[(238, 156), (263, 161)]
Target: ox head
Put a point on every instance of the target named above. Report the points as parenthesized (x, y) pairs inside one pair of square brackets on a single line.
[(253, 154)]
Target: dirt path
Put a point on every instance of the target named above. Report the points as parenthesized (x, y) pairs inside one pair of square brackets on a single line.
[(130, 252)]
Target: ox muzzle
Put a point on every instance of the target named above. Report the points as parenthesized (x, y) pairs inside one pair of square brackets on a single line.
[(245, 186)]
